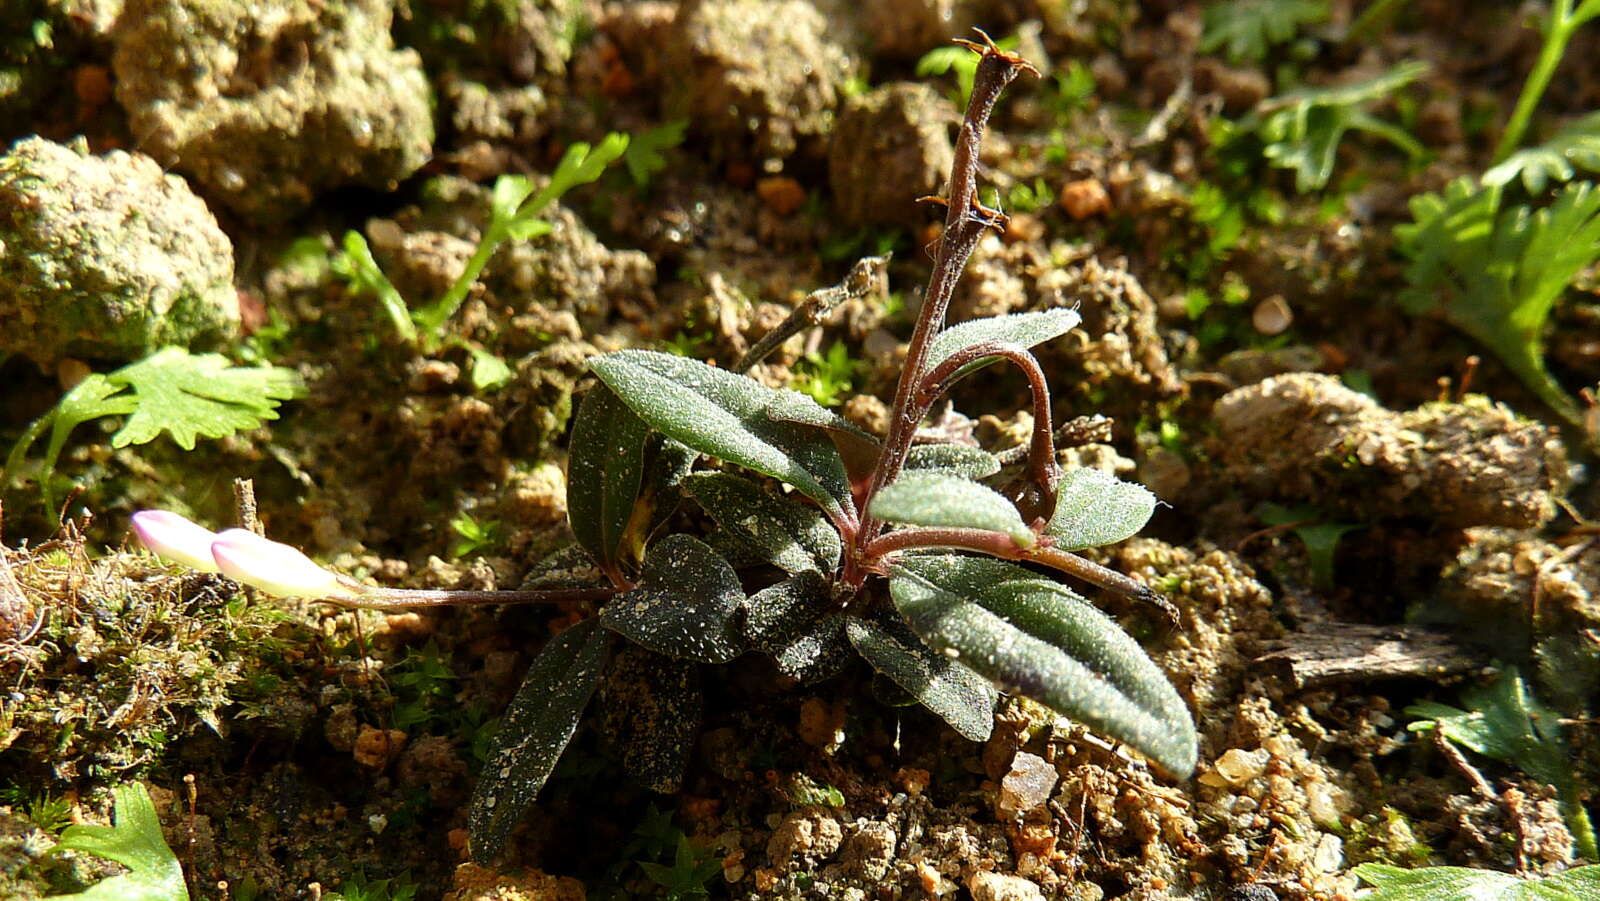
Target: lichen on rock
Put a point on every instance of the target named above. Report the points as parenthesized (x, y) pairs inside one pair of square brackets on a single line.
[(268, 105), (106, 257)]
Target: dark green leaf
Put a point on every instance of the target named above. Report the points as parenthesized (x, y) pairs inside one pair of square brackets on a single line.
[(1462, 884), (650, 714), (956, 459), (534, 732), (856, 448), (789, 535), (1094, 508), (818, 654), (567, 567), (933, 498), (1034, 637), (1026, 329), (797, 623), (604, 470), (954, 693), (724, 415), (685, 606)]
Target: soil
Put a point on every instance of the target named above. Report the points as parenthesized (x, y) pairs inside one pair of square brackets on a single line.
[(1248, 370)]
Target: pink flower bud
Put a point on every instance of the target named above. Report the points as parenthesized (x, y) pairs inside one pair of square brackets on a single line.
[(274, 567), (175, 538)]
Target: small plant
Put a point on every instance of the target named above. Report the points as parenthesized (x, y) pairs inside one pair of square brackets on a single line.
[(1504, 722), (1563, 22), (1247, 29), (135, 841), (826, 377), (515, 209), (475, 536), (894, 553), (687, 875), (1495, 271), (1464, 884), (186, 395), (48, 812), (361, 889), (1302, 130), (643, 156)]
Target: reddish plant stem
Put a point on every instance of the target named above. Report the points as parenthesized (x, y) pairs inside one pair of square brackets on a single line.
[(1041, 450), (392, 598), (998, 544), (964, 226)]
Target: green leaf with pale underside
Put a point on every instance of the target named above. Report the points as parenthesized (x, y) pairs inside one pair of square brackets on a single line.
[(1094, 508), (1463, 884), (1025, 329), (605, 468), (685, 604), (1036, 638), (135, 841), (956, 459), (932, 498), (537, 726), (724, 415), (950, 690), (792, 536)]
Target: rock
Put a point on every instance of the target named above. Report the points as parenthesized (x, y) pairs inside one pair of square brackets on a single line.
[(475, 883), (809, 834), (1307, 437), (1027, 785), (869, 852), (906, 29), (757, 77), (997, 887), (891, 146), (267, 105), (107, 257)]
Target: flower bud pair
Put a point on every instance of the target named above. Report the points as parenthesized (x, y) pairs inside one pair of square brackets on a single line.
[(241, 555)]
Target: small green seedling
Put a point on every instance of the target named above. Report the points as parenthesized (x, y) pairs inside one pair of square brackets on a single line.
[(643, 156), (687, 875), (1463, 884), (1504, 722), (1563, 22), (1247, 29), (515, 211), (1321, 538), (186, 395), (135, 841), (827, 378)]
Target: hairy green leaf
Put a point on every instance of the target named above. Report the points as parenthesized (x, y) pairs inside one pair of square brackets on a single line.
[(1036, 638), (857, 449), (1577, 146), (135, 841), (650, 714), (791, 536), (950, 690), (1025, 329), (1462, 884), (956, 459), (1496, 273), (537, 726), (795, 622), (685, 606), (934, 498), (724, 415), (604, 471), (1095, 508)]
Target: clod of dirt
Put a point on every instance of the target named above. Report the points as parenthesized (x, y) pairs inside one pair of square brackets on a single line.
[(906, 29), (475, 883), (1000, 887), (809, 834), (869, 851), (1307, 437), (268, 105), (754, 75), (891, 146), (107, 257), (1027, 785)]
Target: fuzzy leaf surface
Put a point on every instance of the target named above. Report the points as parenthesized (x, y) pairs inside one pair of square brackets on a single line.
[(724, 415), (794, 537), (950, 690), (858, 449), (1463, 884), (536, 729), (955, 459), (685, 606), (794, 622), (932, 498), (650, 709), (1025, 329), (1095, 508), (135, 841), (605, 469), (1034, 637)]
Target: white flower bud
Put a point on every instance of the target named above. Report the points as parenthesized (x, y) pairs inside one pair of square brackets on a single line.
[(274, 567), (175, 538)]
